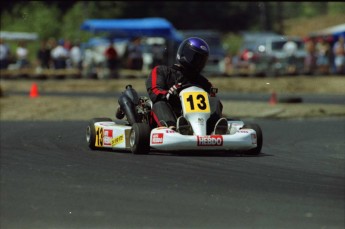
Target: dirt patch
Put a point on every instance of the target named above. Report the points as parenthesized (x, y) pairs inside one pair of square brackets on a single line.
[(84, 108), (293, 84)]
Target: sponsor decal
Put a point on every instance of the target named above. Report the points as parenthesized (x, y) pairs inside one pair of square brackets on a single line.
[(170, 131), (201, 121), (157, 138), (117, 140), (107, 137), (243, 131), (213, 140)]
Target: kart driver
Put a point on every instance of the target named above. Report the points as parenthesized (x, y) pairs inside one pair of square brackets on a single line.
[(163, 86)]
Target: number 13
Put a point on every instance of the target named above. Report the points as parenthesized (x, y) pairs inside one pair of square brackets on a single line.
[(197, 102)]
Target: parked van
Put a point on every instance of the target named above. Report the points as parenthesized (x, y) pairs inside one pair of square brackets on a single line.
[(263, 55)]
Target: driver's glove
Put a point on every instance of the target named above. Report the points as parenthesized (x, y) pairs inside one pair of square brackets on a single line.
[(173, 90)]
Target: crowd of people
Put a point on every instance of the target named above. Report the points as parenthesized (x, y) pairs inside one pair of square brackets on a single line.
[(314, 56), (63, 54), (51, 54), (322, 57)]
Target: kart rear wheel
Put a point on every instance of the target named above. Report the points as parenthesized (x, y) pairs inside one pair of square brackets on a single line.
[(140, 138), (259, 138), (91, 131)]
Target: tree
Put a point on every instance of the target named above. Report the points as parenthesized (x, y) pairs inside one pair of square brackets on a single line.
[(32, 17), (72, 21)]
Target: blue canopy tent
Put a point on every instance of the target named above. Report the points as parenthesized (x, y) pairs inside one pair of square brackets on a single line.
[(154, 27), (129, 28), (334, 31)]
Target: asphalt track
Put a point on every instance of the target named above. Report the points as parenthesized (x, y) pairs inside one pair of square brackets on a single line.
[(50, 179)]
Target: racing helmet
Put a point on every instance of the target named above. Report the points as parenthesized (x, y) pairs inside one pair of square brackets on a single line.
[(193, 53)]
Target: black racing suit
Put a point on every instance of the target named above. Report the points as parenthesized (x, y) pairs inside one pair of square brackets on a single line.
[(161, 79)]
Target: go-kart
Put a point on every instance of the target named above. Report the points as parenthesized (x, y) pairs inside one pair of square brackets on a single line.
[(131, 131)]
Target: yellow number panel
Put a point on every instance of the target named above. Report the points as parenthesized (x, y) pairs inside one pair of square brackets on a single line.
[(196, 102), (99, 137)]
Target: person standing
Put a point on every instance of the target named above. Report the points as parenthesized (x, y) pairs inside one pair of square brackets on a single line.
[(310, 59), (290, 49), (22, 55), (59, 55), (339, 55), (4, 54), (158, 51), (111, 56), (76, 56), (43, 56), (135, 55), (323, 51)]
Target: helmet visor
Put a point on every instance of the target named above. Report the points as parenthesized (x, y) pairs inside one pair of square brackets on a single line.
[(195, 59)]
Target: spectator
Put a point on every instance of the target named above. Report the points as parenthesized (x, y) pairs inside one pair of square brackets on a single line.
[(158, 51), (88, 64), (22, 55), (51, 43), (339, 55), (290, 49), (228, 60), (111, 56), (43, 55), (135, 55), (310, 59), (67, 45), (59, 55), (76, 56), (246, 55), (323, 52), (4, 55)]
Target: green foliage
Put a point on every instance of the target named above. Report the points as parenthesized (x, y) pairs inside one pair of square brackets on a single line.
[(103, 9), (232, 43), (35, 16), (32, 16), (82, 10), (336, 8), (312, 9), (228, 17), (71, 23)]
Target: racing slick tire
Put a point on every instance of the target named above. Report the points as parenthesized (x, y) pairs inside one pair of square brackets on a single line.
[(91, 131), (140, 138), (259, 138)]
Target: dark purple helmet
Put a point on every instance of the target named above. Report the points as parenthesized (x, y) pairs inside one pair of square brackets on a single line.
[(193, 53)]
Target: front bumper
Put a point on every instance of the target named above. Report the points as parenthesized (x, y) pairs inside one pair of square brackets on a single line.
[(166, 139)]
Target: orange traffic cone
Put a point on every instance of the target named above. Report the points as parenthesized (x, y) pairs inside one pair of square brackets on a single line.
[(273, 98), (34, 91)]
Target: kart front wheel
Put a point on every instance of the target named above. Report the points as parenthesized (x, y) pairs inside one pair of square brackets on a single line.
[(91, 131), (140, 138), (259, 138)]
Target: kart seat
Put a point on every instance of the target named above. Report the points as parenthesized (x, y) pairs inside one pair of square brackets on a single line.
[(183, 126), (221, 127)]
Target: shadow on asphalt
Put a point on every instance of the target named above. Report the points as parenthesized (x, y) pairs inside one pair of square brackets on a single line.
[(207, 154), (189, 153)]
